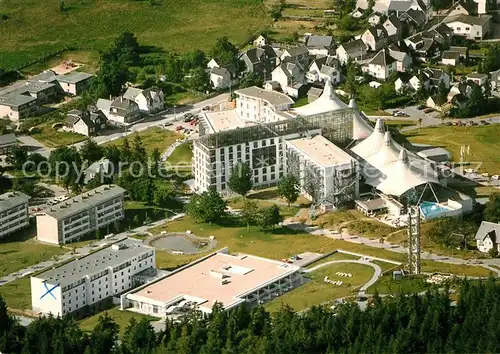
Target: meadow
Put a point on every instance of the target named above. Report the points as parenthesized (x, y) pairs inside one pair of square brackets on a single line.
[(37, 28)]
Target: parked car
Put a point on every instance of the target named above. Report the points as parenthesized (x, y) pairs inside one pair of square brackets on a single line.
[(428, 110), (167, 124), (495, 177), (485, 174), (179, 127), (399, 114), (483, 122)]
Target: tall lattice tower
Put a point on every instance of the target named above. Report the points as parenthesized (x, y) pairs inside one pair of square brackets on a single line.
[(414, 240)]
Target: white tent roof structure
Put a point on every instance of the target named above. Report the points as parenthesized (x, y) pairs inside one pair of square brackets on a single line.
[(360, 127), (327, 102), (389, 167)]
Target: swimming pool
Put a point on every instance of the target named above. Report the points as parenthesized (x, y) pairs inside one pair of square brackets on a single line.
[(432, 210)]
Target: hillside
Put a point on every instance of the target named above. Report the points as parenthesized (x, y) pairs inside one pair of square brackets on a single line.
[(36, 28)]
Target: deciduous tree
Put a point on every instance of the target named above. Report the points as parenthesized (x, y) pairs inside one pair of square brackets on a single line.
[(241, 181), (289, 189)]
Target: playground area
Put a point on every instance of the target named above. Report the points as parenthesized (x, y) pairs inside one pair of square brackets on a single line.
[(182, 243)]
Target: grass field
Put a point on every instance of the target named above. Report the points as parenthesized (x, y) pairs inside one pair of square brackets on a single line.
[(483, 142), (54, 139), (122, 318), (386, 285), (17, 253), (89, 59), (151, 138), (17, 294), (36, 28), (337, 256), (183, 154), (317, 292)]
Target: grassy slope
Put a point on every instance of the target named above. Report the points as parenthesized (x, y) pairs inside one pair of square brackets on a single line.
[(483, 141), (38, 27), (183, 154), (317, 291), (17, 294), (151, 138), (16, 253)]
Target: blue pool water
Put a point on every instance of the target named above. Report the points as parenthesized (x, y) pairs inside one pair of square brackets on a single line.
[(430, 209)]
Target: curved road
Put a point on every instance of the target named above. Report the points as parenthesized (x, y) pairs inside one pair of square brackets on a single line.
[(362, 290)]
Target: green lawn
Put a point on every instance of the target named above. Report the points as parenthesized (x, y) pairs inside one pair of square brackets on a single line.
[(18, 252), (183, 154), (17, 294), (483, 142), (151, 138), (122, 318), (337, 256), (301, 102), (317, 291), (386, 285), (37, 28), (386, 266), (54, 139), (369, 228)]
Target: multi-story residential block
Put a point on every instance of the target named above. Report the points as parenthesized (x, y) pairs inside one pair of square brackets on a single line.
[(89, 283), (13, 212), (80, 215), (259, 105), (326, 173)]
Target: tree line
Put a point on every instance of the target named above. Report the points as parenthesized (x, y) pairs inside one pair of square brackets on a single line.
[(406, 323)]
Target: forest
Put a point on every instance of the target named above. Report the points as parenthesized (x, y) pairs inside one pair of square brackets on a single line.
[(410, 323)]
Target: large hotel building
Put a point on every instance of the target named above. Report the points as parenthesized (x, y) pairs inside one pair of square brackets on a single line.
[(80, 215)]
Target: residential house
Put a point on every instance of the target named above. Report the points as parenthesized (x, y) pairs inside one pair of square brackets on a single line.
[(260, 41), (16, 107), (477, 78), (495, 79), (433, 102), (468, 7), (398, 7), (381, 66), (460, 93), (358, 13), (354, 50), (272, 85), (324, 68), (150, 100), (289, 75), (220, 78), (375, 37), (415, 41), (102, 167), (450, 57), (298, 54), (75, 82), (442, 34), (374, 84), (374, 19), (394, 27), (414, 21), (86, 122), (488, 237), (428, 50), (319, 45), (7, 142), (462, 51), (260, 61), (121, 111), (404, 61), (434, 77), (212, 64), (400, 86), (469, 27), (421, 6)]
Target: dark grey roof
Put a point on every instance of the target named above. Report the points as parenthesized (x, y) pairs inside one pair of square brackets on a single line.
[(395, 22), (461, 50), (298, 50), (378, 32), (428, 44), (121, 102), (74, 77), (84, 201), (46, 76), (469, 5), (449, 54), (319, 42), (417, 16), (354, 46), (382, 58), (477, 76), (36, 87), (98, 261), (327, 70), (256, 55), (472, 20), (400, 6), (219, 71), (15, 100), (89, 118), (7, 140), (11, 200), (490, 229), (314, 91)]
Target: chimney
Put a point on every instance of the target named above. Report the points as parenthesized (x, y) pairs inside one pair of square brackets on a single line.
[(121, 98)]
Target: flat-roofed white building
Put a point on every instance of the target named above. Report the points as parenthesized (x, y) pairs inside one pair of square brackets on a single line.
[(213, 122), (88, 282), (230, 279), (80, 215), (13, 212), (259, 105), (327, 174)]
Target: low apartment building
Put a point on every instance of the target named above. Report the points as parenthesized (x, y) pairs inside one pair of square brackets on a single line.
[(16, 107), (75, 83), (70, 220), (13, 212), (89, 283)]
